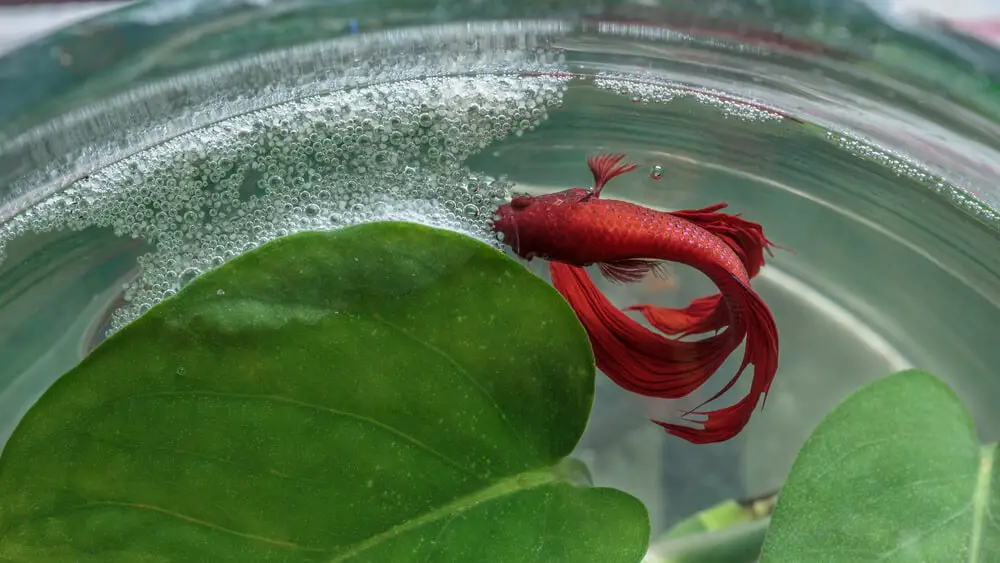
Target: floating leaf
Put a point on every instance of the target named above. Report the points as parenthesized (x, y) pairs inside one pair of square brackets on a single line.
[(386, 392), (893, 474)]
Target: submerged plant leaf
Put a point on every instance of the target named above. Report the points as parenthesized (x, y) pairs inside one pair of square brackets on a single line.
[(729, 532), (893, 474), (383, 393)]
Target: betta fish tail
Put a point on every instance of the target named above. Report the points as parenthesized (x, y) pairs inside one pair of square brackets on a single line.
[(761, 352), (705, 314), (708, 314), (746, 238), (634, 357)]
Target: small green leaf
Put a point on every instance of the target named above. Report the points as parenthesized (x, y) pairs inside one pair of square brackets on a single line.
[(729, 532), (893, 474), (382, 393), (721, 516)]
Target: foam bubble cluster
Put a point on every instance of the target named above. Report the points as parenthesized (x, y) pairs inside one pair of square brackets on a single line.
[(651, 92), (903, 165), (393, 151)]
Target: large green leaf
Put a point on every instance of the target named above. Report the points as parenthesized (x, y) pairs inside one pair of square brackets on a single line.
[(383, 393), (893, 474)]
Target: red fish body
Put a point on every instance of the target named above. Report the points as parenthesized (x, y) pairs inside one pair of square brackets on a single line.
[(581, 231), (575, 228)]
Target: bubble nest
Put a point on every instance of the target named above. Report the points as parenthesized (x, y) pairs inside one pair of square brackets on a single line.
[(385, 152)]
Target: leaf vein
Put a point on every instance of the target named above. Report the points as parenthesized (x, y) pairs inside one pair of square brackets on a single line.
[(206, 457), (924, 533), (834, 466), (199, 522), (320, 408), (461, 369), (511, 485), (980, 500)]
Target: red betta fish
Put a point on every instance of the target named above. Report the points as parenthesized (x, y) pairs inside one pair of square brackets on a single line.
[(575, 228)]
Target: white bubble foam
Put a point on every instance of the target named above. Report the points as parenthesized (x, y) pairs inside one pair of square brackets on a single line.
[(389, 151), (903, 165), (643, 91)]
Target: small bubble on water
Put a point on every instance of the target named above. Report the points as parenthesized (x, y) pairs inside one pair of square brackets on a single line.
[(220, 292), (187, 276), (181, 370), (656, 173)]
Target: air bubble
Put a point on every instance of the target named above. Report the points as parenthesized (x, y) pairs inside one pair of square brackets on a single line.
[(656, 173), (187, 276), (647, 92)]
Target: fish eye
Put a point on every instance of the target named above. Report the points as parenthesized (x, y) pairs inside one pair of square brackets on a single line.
[(521, 201)]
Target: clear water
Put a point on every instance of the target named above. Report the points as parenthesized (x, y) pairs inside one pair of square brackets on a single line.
[(894, 263)]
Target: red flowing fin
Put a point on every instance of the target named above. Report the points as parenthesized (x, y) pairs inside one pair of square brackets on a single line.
[(705, 314), (634, 357), (605, 167), (746, 238), (630, 271), (761, 352)]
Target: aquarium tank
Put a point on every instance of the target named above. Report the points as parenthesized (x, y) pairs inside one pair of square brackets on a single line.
[(301, 280)]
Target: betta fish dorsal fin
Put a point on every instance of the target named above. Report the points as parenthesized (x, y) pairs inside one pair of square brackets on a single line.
[(633, 270), (605, 167)]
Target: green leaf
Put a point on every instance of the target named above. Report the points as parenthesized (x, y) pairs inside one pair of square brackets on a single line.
[(729, 532), (723, 515), (386, 392), (893, 474)]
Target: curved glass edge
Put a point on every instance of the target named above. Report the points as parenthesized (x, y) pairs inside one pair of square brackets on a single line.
[(153, 39)]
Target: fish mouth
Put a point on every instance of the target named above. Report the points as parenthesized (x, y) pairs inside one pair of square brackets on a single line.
[(510, 238), (505, 225)]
